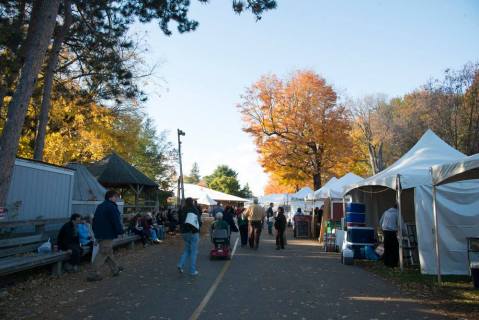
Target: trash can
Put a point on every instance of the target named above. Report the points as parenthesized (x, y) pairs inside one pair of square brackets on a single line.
[(475, 274)]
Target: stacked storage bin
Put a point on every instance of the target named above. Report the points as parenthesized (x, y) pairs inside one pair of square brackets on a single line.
[(355, 214)]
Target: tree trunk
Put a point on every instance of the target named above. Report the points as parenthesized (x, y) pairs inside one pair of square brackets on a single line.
[(17, 108), (317, 181), (48, 84), (9, 79)]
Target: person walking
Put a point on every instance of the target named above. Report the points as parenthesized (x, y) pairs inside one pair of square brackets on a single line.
[(269, 216), (190, 230), (243, 227), (106, 227), (255, 215), (280, 226), (389, 225)]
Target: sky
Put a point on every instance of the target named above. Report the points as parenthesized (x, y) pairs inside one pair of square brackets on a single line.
[(360, 47)]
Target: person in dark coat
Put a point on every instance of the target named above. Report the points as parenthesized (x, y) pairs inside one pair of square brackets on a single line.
[(280, 226), (243, 227), (136, 227), (191, 237), (68, 240), (269, 217), (106, 227), (228, 217)]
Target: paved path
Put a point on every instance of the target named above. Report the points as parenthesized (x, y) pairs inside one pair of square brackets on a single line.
[(300, 282)]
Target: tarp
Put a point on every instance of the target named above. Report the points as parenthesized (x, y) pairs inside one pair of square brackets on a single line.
[(276, 198), (414, 166), (458, 217), (463, 169), (302, 193), (206, 200), (196, 192), (85, 186)]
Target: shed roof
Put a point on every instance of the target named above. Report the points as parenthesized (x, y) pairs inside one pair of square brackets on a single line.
[(114, 171)]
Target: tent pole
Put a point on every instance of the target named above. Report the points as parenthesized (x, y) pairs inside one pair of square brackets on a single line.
[(344, 213), (436, 234), (398, 199)]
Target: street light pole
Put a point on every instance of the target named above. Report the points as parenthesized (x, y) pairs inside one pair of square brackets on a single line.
[(181, 185)]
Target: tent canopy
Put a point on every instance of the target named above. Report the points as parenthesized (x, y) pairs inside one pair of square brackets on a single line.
[(334, 190), (197, 192), (464, 169), (317, 194), (85, 186), (206, 200), (302, 193), (114, 171), (414, 166)]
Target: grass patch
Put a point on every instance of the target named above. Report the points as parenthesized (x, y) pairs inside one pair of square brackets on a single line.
[(456, 290)]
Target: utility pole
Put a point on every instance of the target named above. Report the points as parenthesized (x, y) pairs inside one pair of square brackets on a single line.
[(181, 185)]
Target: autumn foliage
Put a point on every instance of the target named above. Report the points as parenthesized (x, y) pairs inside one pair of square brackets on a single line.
[(301, 131)]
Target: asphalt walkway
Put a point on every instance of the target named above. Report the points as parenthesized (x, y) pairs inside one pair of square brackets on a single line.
[(300, 282)]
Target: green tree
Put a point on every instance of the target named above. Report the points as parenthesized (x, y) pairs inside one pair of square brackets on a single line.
[(224, 179), (246, 192), (194, 176)]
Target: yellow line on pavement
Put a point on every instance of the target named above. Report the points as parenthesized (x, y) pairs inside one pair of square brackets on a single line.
[(196, 314)]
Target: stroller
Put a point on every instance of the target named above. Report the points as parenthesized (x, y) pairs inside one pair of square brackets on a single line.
[(221, 241)]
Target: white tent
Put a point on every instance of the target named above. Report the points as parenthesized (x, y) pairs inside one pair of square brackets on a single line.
[(317, 194), (414, 165), (196, 192), (302, 193), (206, 200), (334, 190), (409, 179), (466, 215)]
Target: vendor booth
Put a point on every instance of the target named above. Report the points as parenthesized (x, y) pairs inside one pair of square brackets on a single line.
[(408, 183)]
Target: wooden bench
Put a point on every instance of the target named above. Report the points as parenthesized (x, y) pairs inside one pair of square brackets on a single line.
[(13, 246), (14, 264)]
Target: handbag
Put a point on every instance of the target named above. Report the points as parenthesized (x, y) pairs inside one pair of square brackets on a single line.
[(94, 251), (192, 220)]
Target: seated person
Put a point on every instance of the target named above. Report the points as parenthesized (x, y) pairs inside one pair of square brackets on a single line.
[(136, 227), (68, 240), (220, 224), (150, 228), (161, 222), (85, 232)]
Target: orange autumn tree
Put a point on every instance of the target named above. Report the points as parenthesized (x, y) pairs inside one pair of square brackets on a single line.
[(301, 132)]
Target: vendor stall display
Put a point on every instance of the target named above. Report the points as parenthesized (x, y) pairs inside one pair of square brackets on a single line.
[(302, 226), (355, 214), (357, 238)]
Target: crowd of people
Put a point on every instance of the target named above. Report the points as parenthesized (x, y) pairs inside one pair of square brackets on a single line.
[(98, 232)]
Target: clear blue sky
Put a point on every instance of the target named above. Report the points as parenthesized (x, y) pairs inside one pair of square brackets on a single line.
[(361, 47)]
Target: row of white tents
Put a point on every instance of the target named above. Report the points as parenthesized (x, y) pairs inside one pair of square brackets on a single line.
[(436, 188)]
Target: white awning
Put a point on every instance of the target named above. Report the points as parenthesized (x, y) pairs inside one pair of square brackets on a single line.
[(464, 169)]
